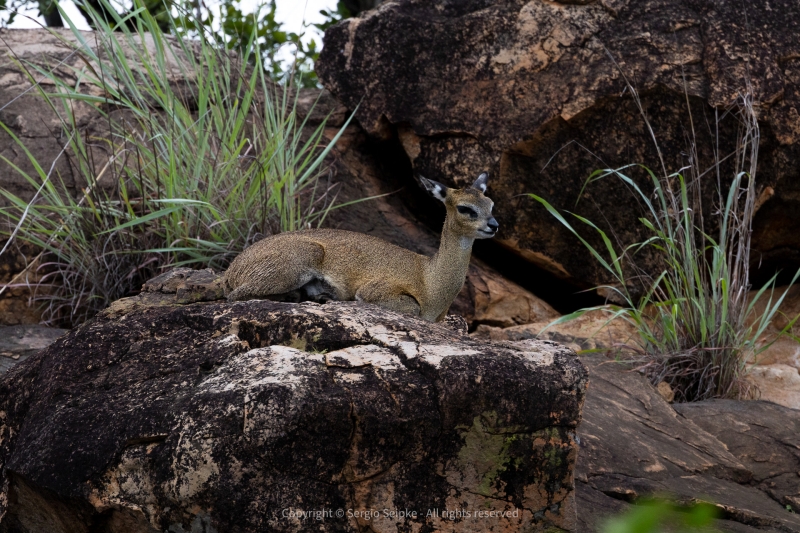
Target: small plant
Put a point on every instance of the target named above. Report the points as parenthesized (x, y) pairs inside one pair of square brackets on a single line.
[(191, 173), (658, 515), (696, 328)]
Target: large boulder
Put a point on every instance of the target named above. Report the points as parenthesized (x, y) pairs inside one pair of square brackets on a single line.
[(208, 416), (536, 92)]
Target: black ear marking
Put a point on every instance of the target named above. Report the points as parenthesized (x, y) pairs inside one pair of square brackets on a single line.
[(436, 189), (481, 182)]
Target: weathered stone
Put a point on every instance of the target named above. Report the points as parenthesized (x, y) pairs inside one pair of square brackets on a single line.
[(593, 330), (742, 456), (535, 91), (17, 343), (777, 383), (777, 373), (235, 417), (492, 300), (776, 370), (764, 437), (188, 285), (15, 304), (666, 392)]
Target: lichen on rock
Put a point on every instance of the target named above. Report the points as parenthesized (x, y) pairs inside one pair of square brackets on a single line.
[(165, 416)]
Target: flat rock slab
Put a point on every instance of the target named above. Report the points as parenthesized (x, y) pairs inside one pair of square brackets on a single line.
[(742, 456), (763, 436), (264, 416)]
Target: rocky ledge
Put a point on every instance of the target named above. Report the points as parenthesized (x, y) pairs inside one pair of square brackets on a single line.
[(741, 456), (17, 343), (263, 416)]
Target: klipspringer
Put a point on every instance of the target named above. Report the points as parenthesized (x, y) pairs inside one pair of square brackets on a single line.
[(327, 264)]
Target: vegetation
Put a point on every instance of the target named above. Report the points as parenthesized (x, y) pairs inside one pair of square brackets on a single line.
[(237, 29), (658, 515), (696, 327), (205, 154)]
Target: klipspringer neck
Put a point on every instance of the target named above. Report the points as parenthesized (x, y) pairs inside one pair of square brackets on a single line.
[(448, 267)]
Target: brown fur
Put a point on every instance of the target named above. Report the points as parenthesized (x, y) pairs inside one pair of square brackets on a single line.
[(326, 264)]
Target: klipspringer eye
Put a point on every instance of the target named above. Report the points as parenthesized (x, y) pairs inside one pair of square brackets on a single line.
[(466, 210)]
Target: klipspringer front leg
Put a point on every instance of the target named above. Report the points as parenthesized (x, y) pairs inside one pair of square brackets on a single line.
[(381, 292)]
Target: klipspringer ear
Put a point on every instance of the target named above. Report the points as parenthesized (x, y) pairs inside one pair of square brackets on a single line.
[(436, 189), (481, 182)]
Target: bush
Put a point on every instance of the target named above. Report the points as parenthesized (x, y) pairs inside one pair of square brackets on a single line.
[(191, 173), (658, 515), (696, 328)]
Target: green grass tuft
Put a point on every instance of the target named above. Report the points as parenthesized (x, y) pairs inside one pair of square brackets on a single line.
[(205, 155), (696, 327)]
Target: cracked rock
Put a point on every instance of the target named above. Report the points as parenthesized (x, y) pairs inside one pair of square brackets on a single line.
[(253, 416)]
